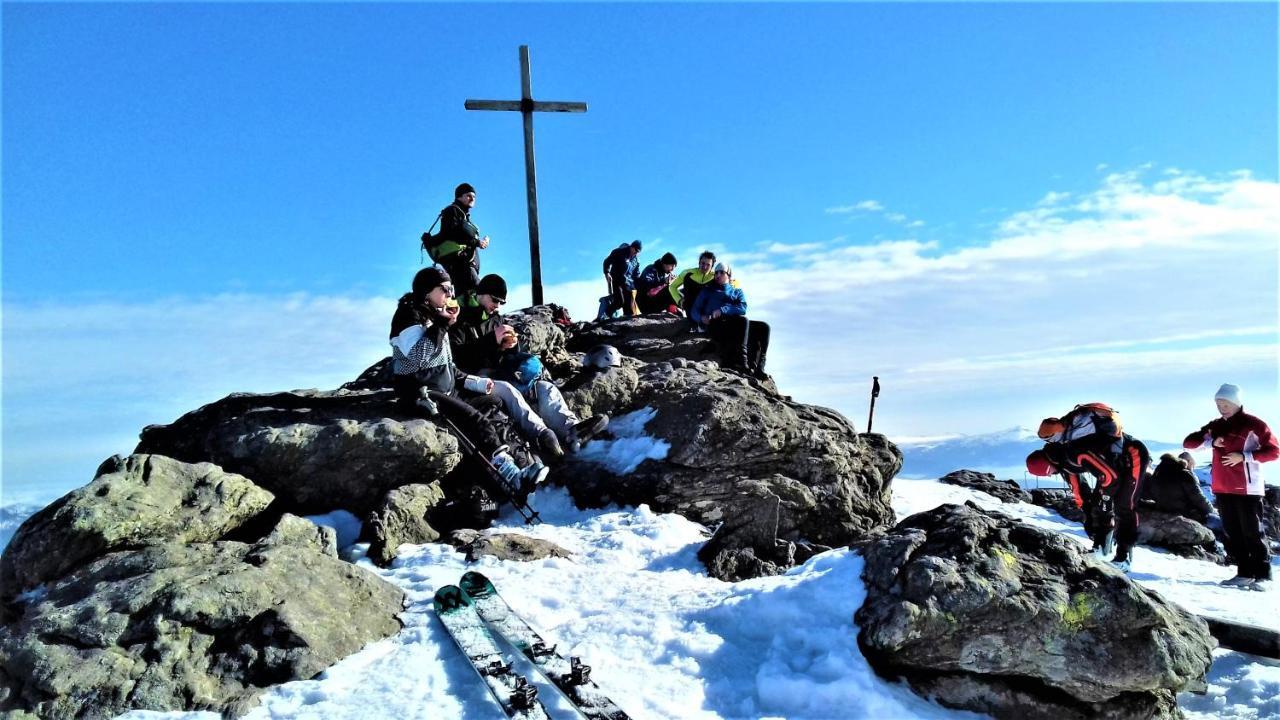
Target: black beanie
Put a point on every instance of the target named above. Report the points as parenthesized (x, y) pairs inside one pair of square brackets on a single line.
[(492, 285), (429, 279), (636, 244), (463, 189), (668, 259)]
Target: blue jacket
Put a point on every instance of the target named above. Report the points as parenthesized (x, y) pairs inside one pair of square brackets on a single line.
[(728, 299), (622, 267)]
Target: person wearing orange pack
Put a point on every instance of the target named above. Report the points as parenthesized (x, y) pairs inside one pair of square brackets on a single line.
[(1111, 505), (1241, 442)]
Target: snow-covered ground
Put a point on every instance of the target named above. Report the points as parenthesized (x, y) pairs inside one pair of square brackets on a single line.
[(666, 641)]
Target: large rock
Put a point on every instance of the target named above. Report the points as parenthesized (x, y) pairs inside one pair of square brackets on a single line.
[(1004, 490), (505, 546), (772, 471), (989, 614), (315, 450), (404, 518), (1059, 501), (1271, 512), (651, 338), (203, 626), (135, 501), (1177, 534)]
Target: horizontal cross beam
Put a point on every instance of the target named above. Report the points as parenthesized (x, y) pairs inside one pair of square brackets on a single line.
[(518, 105)]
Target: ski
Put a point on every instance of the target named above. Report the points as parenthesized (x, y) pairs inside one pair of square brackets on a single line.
[(570, 675), (512, 690)]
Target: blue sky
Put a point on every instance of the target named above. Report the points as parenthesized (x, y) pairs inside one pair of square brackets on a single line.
[(997, 208)]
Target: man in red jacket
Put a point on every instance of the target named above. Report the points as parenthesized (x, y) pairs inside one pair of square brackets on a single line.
[(1241, 442)]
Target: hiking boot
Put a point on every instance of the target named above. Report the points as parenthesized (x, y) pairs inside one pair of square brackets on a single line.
[(1237, 581), (1121, 565), (549, 446), (589, 428), (1260, 585)]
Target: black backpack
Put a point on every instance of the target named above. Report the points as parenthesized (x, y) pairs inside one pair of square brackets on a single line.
[(431, 243)]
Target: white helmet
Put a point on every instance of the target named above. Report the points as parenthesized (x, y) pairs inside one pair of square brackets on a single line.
[(602, 356)]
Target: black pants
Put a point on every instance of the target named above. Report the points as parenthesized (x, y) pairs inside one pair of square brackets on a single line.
[(744, 344), (620, 298), (467, 416), (1113, 508), (1242, 524), (464, 270)]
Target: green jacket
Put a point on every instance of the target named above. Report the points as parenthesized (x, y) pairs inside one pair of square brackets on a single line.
[(693, 275), (457, 232)]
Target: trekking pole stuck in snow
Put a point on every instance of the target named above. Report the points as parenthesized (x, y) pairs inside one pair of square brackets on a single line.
[(875, 393)]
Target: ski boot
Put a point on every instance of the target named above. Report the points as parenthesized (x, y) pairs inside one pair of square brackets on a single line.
[(518, 482), (582, 432)]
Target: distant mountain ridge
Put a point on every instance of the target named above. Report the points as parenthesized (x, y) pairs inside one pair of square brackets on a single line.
[(1002, 453)]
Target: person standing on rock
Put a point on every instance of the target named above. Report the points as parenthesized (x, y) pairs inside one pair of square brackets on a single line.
[(653, 289), (458, 244), (721, 308), (426, 381), (1241, 443), (1111, 505), (621, 270)]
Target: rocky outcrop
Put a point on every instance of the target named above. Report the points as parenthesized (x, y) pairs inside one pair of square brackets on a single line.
[(1177, 534), (403, 518), (649, 338), (132, 502), (200, 626), (505, 546), (1004, 490), (989, 614), (314, 450), (1271, 513), (1059, 501), (769, 471)]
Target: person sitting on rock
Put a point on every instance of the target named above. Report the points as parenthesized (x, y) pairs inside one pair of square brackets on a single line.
[(721, 309), (685, 287), (539, 408), (621, 270), (426, 381), (653, 289), (480, 336), (1111, 505), (1174, 489)]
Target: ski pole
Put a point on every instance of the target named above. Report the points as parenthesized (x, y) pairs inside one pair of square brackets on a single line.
[(875, 392)]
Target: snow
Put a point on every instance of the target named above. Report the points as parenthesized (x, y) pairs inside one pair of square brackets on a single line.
[(667, 641)]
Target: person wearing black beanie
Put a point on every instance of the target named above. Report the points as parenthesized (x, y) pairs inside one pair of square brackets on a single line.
[(458, 244), (653, 288)]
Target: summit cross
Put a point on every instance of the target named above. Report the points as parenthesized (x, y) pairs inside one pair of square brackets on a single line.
[(527, 106)]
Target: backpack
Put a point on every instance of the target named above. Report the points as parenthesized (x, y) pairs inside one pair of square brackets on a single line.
[(521, 369), (431, 243), (1083, 421)]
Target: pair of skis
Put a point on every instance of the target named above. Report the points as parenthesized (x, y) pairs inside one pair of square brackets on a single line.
[(475, 611)]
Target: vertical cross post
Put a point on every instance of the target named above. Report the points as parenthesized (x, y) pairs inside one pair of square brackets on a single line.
[(527, 106)]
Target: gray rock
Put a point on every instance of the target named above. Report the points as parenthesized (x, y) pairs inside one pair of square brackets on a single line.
[(133, 502), (203, 626), (301, 532), (404, 518), (504, 546), (1271, 512), (595, 391), (315, 450), (649, 338), (1177, 534), (1005, 490), (987, 613), (771, 470), (1059, 501), (542, 337)]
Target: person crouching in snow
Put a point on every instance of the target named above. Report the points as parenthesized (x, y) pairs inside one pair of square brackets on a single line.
[(1241, 443), (1110, 505), (426, 381)]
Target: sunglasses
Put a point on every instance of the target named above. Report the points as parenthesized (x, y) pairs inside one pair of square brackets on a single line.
[(449, 291)]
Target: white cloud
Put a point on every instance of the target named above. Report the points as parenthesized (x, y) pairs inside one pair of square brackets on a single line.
[(863, 206)]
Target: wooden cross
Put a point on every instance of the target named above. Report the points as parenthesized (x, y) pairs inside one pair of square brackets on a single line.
[(527, 106)]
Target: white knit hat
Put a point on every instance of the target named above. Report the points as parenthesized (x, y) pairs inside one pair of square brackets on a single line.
[(1230, 393), (725, 268)]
